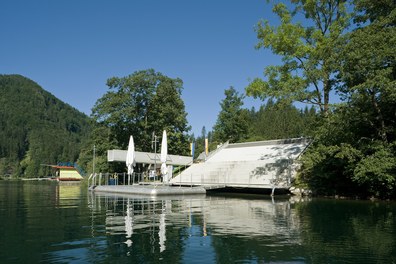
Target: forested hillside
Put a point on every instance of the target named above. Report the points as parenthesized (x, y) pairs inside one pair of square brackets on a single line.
[(36, 128)]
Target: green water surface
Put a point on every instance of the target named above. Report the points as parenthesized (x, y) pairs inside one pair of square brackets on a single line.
[(42, 222)]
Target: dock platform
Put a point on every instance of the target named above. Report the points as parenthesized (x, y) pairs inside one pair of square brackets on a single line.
[(149, 190)]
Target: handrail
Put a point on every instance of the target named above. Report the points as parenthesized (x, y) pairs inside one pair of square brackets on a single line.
[(223, 146), (114, 179)]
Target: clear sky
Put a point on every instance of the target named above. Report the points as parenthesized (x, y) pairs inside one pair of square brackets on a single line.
[(71, 47)]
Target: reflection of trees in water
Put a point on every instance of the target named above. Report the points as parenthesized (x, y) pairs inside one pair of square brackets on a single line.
[(43, 224), (345, 231), (251, 228)]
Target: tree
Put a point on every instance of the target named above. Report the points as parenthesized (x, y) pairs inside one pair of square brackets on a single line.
[(203, 132), (102, 140), (200, 142), (369, 68), (141, 104), (369, 78), (354, 149), (232, 121), (275, 121), (124, 108), (309, 52), (167, 111)]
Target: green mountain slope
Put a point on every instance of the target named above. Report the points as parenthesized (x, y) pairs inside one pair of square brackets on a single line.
[(36, 128)]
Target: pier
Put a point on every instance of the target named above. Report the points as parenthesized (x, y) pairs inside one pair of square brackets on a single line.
[(151, 190), (258, 165)]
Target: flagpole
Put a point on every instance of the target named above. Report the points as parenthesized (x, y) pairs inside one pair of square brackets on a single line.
[(93, 160)]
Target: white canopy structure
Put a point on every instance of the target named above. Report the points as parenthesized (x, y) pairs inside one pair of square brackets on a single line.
[(117, 155)]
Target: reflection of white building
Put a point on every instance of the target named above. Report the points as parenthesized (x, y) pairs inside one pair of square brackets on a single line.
[(220, 215), (248, 217)]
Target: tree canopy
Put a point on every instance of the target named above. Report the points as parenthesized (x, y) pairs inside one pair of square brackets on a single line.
[(367, 119), (232, 121), (277, 120), (273, 120), (354, 151), (309, 52), (142, 104)]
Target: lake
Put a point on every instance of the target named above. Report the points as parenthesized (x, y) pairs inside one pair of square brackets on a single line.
[(42, 222)]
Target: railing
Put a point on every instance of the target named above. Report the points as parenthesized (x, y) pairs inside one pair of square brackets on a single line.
[(212, 153), (99, 179)]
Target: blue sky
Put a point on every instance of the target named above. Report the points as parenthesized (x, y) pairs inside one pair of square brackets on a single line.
[(72, 47)]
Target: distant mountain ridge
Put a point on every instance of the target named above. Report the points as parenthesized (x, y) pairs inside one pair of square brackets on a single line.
[(36, 128)]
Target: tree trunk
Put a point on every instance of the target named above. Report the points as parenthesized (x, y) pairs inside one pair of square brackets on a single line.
[(326, 96), (380, 118)]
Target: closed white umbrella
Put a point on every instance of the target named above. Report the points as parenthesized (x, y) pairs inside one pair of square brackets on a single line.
[(164, 153), (130, 158)]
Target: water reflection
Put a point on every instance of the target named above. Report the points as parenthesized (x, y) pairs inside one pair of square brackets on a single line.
[(68, 194), (45, 223), (349, 231), (215, 216), (227, 229)]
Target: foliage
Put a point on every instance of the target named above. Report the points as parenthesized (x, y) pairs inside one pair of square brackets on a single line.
[(369, 67), (276, 121), (101, 141), (354, 148), (141, 104), (36, 128), (200, 142), (273, 120), (377, 172), (328, 169), (348, 156), (309, 51), (232, 121), (168, 113), (345, 159)]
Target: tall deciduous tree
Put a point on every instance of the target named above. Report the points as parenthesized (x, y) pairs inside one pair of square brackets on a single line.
[(355, 150), (167, 111), (309, 52), (369, 69), (232, 121), (141, 104)]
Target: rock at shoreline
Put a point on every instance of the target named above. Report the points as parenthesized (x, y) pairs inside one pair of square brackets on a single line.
[(300, 191)]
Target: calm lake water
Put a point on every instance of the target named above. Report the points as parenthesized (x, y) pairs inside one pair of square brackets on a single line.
[(43, 222)]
